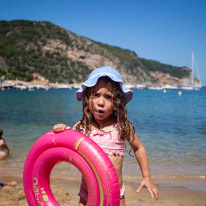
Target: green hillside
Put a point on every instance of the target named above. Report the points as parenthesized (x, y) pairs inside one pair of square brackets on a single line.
[(42, 47)]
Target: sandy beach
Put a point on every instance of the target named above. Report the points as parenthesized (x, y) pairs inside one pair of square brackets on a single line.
[(65, 191)]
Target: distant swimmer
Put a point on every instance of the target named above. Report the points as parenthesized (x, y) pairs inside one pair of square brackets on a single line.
[(4, 149), (2, 184)]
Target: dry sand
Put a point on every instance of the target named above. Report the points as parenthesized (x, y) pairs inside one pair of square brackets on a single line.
[(65, 192)]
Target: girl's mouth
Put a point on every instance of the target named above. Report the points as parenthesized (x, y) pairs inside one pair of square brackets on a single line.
[(100, 111)]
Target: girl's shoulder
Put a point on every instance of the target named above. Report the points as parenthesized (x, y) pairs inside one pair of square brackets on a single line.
[(77, 124), (79, 127)]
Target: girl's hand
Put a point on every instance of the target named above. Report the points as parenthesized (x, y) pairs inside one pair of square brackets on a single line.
[(150, 186), (60, 127)]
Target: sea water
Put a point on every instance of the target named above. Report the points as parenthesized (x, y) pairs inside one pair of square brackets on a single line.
[(171, 127)]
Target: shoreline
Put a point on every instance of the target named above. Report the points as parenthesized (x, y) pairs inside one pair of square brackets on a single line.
[(36, 84), (45, 84), (189, 184), (193, 182), (171, 193)]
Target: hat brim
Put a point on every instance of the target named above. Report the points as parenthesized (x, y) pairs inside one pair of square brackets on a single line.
[(93, 80)]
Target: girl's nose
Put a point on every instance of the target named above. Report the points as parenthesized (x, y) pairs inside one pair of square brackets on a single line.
[(101, 101)]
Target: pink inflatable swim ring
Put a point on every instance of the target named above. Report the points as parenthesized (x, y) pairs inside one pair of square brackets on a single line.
[(75, 148)]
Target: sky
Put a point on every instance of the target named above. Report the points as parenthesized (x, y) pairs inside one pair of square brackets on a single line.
[(163, 30)]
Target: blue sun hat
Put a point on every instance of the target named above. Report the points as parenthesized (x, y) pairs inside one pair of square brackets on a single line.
[(101, 72)]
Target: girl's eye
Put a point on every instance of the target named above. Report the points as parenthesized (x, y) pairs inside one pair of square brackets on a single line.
[(96, 95), (109, 96)]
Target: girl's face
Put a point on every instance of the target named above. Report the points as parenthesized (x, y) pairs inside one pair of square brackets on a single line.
[(101, 102)]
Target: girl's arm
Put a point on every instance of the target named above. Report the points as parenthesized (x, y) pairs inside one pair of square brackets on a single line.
[(141, 156)]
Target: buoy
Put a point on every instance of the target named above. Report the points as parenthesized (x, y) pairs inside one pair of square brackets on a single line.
[(164, 91), (179, 93)]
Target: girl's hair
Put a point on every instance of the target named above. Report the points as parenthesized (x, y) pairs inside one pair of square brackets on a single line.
[(1, 132), (124, 126)]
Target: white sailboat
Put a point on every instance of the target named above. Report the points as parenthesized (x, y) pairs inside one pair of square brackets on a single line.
[(192, 86)]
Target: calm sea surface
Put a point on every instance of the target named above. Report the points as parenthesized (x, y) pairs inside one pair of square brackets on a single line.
[(171, 127)]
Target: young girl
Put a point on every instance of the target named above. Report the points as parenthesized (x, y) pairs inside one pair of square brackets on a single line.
[(105, 121)]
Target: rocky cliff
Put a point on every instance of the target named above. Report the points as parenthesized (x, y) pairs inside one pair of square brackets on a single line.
[(28, 47)]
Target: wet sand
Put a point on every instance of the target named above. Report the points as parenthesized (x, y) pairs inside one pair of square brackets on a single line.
[(65, 191)]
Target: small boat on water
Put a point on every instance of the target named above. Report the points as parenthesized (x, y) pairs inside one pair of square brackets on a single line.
[(193, 86), (155, 88)]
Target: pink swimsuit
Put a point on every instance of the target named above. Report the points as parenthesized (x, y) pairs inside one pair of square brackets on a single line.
[(112, 144), (110, 141)]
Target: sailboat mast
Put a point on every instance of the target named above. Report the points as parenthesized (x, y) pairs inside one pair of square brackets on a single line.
[(192, 82)]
